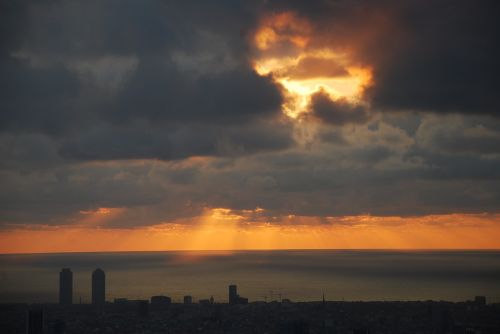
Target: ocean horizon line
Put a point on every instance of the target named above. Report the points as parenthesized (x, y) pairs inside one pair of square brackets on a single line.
[(256, 250)]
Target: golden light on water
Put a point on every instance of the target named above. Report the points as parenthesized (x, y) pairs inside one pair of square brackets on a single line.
[(283, 52)]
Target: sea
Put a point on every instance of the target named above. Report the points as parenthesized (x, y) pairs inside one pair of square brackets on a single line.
[(298, 275)]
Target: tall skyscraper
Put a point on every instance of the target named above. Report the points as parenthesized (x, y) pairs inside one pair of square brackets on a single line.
[(98, 287), (65, 287), (234, 297), (233, 294)]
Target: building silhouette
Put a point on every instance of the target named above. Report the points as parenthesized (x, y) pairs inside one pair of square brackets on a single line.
[(204, 301), (34, 323), (188, 299), (296, 326), (59, 327), (142, 308), (233, 294), (98, 287), (360, 331), (480, 300), (65, 287), (234, 298), (159, 301)]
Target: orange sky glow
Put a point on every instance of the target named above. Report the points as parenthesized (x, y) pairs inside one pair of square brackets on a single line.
[(283, 48), (223, 229)]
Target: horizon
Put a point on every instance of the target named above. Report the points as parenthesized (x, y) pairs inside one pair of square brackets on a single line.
[(233, 251)]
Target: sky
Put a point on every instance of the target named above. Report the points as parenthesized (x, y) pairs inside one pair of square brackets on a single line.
[(236, 124)]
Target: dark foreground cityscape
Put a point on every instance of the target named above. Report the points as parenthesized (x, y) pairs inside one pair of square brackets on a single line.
[(161, 315)]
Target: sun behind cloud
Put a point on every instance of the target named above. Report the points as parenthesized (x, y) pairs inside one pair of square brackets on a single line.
[(284, 51)]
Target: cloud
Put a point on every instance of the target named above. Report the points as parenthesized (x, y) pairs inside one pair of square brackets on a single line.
[(160, 92), (439, 57), (444, 62), (337, 112), (460, 136), (143, 140), (136, 86), (375, 170), (36, 99), (311, 67)]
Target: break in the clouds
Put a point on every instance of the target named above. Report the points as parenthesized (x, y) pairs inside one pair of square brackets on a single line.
[(161, 109)]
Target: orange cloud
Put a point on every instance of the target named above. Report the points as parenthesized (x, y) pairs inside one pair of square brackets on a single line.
[(283, 27), (284, 52)]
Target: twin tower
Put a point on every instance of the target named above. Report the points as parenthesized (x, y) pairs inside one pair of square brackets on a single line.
[(66, 287)]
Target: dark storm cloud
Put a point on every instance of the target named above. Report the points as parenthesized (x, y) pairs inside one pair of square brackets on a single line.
[(144, 141), (35, 99), (161, 93), (472, 136), (93, 28), (446, 60), (12, 25), (87, 72), (372, 171), (110, 80), (192, 67), (337, 112), (28, 152)]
